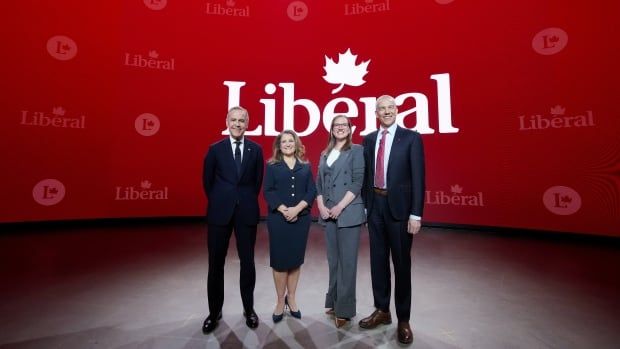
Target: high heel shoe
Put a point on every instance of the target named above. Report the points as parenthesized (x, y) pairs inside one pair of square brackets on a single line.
[(295, 314), (277, 318), (341, 321)]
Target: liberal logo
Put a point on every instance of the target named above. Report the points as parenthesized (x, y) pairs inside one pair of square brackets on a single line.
[(61, 47), (144, 192), (557, 118), (48, 192), (297, 11), (366, 6), (151, 61), (56, 118), (345, 72), (156, 5), (455, 197), (562, 200), (147, 124), (550, 41), (231, 9)]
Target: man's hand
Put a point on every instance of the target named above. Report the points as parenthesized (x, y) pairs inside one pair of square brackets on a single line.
[(413, 227)]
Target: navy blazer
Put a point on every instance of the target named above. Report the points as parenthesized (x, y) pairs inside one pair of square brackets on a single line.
[(405, 174), (225, 189), (287, 187)]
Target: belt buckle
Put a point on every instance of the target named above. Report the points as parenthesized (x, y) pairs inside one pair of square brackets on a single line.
[(380, 191)]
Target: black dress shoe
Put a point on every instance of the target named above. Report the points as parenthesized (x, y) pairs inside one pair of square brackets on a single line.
[(210, 323), (251, 319), (295, 314)]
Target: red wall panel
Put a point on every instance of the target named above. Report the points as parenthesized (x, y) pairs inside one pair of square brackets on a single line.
[(118, 101)]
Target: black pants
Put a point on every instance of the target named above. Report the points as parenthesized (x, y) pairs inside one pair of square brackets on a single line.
[(388, 235), (217, 244)]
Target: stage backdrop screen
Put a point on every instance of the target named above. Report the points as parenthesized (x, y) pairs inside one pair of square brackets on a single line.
[(109, 107)]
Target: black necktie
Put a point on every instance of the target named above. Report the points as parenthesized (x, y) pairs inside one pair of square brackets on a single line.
[(238, 156)]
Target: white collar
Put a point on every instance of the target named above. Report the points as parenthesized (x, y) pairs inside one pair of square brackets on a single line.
[(391, 130), (232, 140)]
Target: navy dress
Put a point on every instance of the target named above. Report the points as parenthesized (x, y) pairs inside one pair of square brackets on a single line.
[(285, 186)]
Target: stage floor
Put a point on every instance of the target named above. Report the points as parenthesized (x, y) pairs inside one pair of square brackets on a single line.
[(143, 285)]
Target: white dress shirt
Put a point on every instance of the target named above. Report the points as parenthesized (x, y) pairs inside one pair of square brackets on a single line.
[(389, 140), (233, 146)]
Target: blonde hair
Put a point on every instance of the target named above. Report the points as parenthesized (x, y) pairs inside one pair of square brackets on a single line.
[(331, 142), (277, 156)]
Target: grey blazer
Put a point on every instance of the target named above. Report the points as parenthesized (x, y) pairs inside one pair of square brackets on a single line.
[(348, 175)]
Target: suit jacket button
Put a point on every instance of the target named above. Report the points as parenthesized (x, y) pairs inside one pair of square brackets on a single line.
[(293, 194)]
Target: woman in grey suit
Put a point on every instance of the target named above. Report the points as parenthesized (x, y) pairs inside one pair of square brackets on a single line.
[(339, 183)]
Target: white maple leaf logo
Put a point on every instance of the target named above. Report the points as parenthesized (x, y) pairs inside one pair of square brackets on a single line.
[(345, 72)]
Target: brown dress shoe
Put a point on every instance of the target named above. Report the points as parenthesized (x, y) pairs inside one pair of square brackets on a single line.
[(405, 335), (375, 319), (341, 321), (330, 312)]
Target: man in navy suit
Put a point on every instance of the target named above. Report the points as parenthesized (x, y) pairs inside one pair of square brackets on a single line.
[(394, 197), (232, 179)]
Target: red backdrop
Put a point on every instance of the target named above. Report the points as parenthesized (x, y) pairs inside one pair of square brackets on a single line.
[(108, 107)]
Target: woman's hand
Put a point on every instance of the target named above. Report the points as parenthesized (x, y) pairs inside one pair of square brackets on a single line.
[(323, 211), (335, 211)]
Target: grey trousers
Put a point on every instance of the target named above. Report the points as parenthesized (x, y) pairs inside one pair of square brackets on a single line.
[(342, 247)]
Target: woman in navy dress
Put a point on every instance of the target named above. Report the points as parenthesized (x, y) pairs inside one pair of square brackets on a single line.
[(289, 190)]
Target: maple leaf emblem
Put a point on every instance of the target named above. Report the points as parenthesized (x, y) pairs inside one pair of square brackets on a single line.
[(558, 110), (153, 54), (146, 184), (566, 199), (345, 72), (230, 3), (60, 111), (456, 189)]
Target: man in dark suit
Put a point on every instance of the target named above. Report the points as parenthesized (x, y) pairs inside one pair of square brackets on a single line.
[(232, 178), (394, 198)]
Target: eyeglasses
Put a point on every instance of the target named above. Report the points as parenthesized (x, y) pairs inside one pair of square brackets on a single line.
[(341, 125)]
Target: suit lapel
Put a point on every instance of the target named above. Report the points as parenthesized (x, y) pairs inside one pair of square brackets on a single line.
[(248, 150), (229, 157), (372, 138), (393, 150), (297, 166), (339, 163)]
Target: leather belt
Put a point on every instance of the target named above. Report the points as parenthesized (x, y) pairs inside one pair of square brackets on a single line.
[(380, 191)]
